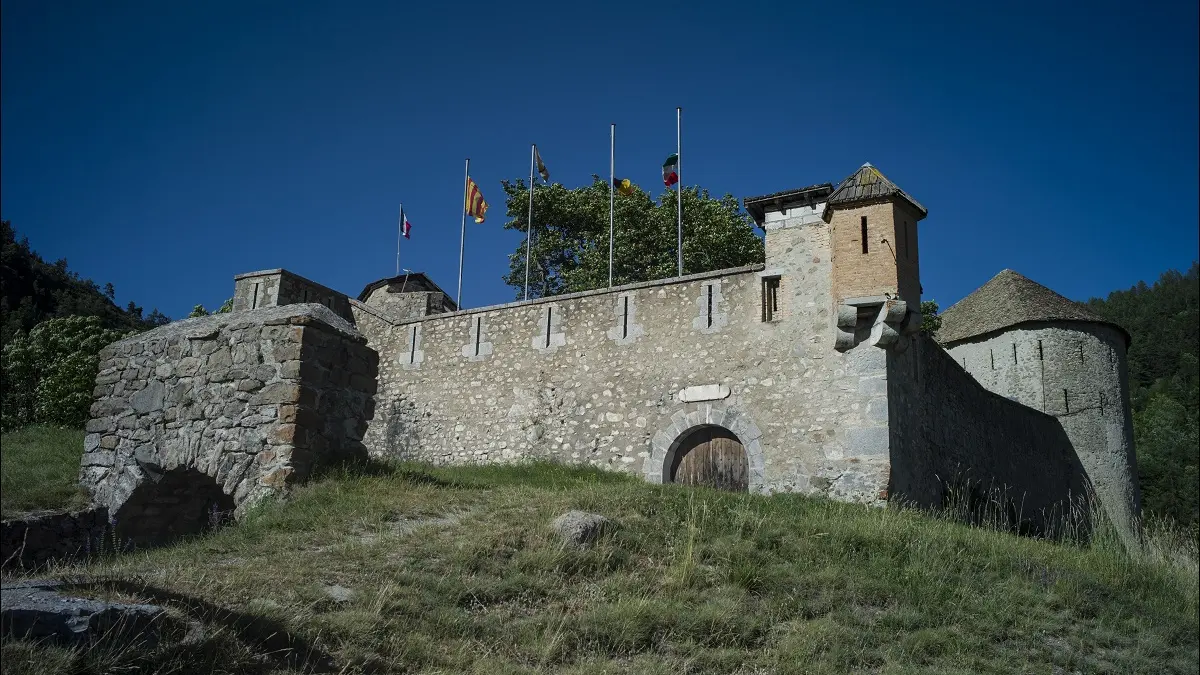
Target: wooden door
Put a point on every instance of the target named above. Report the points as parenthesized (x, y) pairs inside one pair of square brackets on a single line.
[(712, 457)]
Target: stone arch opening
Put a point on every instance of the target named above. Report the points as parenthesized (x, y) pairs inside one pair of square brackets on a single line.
[(708, 455), (180, 503), (665, 444)]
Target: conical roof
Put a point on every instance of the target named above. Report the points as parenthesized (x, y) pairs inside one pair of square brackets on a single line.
[(869, 184), (1007, 300)]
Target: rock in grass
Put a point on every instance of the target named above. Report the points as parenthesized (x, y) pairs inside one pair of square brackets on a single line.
[(339, 594), (578, 529), (43, 609)]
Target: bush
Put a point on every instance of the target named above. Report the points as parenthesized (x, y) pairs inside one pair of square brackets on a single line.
[(49, 374)]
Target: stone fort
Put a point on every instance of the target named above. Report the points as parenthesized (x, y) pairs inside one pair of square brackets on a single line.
[(807, 373)]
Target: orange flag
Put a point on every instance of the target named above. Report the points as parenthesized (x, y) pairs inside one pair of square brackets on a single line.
[(476, 206)]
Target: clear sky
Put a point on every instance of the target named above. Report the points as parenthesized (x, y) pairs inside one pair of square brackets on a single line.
[(166, 146)]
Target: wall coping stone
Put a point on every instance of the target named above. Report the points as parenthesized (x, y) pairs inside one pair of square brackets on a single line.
[(202, 327), (732, 271)]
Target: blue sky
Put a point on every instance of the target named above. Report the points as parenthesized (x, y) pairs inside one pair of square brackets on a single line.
[(166, 146)]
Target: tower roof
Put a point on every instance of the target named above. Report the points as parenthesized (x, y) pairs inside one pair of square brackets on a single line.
[(412, 282), (1007, 300), (869, 184)]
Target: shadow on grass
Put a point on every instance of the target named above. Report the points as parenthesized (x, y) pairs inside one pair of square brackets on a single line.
[(274, 646)]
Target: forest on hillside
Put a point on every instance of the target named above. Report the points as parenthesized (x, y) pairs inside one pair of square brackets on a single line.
[(52, 322), (1164, 381)]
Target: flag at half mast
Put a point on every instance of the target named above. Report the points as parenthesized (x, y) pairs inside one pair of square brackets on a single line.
[(671, 171), (476, 206)]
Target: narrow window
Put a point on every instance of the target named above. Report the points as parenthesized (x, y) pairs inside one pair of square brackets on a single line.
[(306, 295), (478, 325), (412, 351), (710, 294), (1041, 354), (1014, 352), (1101, 403), (907, 246), (1066, 400), (964, 363), (864, 234), (1081, 352), (992, 356), (770, 298), (254, 299), (549, 312), (625, 318)]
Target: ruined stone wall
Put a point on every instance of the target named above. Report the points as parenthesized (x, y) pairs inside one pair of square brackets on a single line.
[(595, 378), (38, 539), (210, 415), (946, 430), (1076, 372)]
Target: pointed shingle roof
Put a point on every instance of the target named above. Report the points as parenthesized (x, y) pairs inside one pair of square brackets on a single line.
[(869, 184), (1007, 300)]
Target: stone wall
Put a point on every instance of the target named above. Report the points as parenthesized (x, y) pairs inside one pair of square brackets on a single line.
[(37, 539), (1077, 373), (947, 430), (274, 288), (595, 378), (207, 416)]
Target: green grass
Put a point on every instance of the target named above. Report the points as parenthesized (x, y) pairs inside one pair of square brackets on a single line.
[(39, 469), (456, 571)]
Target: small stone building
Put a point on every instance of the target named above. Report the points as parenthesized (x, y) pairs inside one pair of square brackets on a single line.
[(806, 373)]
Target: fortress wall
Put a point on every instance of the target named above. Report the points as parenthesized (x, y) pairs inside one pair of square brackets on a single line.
[(594, 378), (1076, 372), (946, 427)]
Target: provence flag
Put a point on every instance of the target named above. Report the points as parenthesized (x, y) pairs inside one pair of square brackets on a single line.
[(671, 171), (623, 185), (476, 206)]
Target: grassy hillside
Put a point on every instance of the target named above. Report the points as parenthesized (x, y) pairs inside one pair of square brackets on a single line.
[(456, 570)]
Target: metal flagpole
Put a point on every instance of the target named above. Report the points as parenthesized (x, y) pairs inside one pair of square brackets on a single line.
[(679, 176), (612, 186), (399, 233), (529, 223), (463, 240)]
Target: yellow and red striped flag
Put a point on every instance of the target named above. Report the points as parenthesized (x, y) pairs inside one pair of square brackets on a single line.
[(476, 206)]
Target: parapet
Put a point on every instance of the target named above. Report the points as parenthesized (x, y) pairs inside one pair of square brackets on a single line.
[(278, 287)]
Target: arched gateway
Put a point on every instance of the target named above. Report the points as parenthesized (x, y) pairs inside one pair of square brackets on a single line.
[(710, 456), (714, 445)]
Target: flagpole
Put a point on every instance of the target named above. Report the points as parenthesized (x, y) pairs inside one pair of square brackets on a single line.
[(612, 186), (399, 233), (463, 238), (529, 223), (679, 176)]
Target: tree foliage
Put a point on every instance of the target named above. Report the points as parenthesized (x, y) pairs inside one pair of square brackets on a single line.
[(49, 373), (1163, 321), (34, 290), (931, 320), (570, 236)]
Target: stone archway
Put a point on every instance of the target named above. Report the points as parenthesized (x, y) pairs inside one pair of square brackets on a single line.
[(666, 443), (709, 456), (181, 502)]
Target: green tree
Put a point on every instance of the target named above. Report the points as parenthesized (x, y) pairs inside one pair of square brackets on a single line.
[(931, 321), (570, 236), (49, 374), (198, 310)]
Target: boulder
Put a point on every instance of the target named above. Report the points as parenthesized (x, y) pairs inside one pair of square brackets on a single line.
[(578, 529)]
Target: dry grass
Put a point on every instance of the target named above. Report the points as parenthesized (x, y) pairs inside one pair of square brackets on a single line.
[(456, 571)]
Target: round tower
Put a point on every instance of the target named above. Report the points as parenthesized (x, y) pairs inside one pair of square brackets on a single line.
[(1023, 341)]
